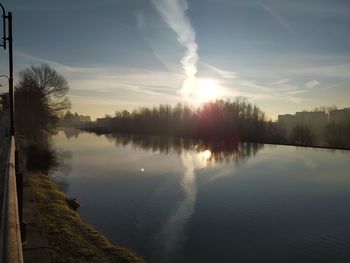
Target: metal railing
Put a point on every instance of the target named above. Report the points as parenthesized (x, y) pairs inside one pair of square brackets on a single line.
[(10, 239), (11, 216)]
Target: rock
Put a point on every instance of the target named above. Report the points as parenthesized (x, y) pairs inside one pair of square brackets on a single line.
[(73, 203)]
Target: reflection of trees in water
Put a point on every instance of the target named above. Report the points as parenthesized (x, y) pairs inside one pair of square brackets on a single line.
[(40, 101), (195, 154), (71, 132), (38, 155), (62, 169), (220, 150)]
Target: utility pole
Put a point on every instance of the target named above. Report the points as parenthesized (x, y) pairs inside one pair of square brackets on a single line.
[(10, 77), (11, 89)]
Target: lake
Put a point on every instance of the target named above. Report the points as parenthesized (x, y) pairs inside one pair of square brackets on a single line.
[(178, 200)]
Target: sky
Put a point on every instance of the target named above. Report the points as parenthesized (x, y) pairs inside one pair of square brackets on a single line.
[(284, 56)]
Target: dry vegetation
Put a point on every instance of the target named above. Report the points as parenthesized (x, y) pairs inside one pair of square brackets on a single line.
[(70, 238)]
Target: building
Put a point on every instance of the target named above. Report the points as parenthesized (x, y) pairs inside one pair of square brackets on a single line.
[(288, 121), (315, 120), (310, 118), (338, 116)]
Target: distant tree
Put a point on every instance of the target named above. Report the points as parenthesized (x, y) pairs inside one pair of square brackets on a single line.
[(337, 134), (40, 99), (275, 133), (326, 109), (68, 117), (302, 135), (221, 119), (73, 120)]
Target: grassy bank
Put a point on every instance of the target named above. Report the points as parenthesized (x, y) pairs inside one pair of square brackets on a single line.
[(70, 238)]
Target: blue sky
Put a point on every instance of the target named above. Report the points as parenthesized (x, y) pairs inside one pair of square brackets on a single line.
[(285, 56)]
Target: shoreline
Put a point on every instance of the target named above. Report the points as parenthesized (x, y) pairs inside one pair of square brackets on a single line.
[(101, 131), (70, 238)]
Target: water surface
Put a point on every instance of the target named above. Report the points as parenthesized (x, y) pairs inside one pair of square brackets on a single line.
[(174, 200)]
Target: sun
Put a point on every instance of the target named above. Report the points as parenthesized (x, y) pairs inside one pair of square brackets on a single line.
[(206, 155), (206, 89)]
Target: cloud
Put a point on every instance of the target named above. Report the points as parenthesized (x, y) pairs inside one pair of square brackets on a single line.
[(311, 84), (281, 81), (102, 78), (98, 90), (140, 19), (270, 92), (222, 73), (280, 19), (298, 66), (173, 13), (104, 86)]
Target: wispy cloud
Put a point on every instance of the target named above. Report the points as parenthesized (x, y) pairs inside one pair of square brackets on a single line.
[(234, 85), (296, 66), (102, 78), (173, 13), (222, 73), (281, 81), (103, 86), (140, 19), (280, 19), (311, 84), (270, 92), (98, 90)]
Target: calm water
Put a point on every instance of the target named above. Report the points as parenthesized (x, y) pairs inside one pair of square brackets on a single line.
[(176, 200)]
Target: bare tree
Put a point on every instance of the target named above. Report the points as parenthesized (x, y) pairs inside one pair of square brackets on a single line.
[(50, 85), (40, 98), (302, 135)]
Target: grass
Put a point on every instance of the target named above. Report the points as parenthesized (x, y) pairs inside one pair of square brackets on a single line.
[(70, 238)]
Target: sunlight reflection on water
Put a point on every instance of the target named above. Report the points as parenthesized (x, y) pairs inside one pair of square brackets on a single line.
[(196, 201), (172, 233)]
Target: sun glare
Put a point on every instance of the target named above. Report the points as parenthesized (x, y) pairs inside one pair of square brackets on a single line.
[(207, 89), (206, 154)]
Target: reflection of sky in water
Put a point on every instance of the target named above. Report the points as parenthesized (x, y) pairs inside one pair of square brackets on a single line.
[(197, 204), (172, 232)]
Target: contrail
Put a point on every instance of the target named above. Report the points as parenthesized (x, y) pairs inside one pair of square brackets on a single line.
[(278, 17), (173, 13)]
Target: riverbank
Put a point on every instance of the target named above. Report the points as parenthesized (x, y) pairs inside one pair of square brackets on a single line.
[(70, 238), (102, 131)]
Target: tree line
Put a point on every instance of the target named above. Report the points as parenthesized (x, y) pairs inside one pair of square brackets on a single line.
[(221, 119), (228, 120), (73, 120), (42, 103)]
